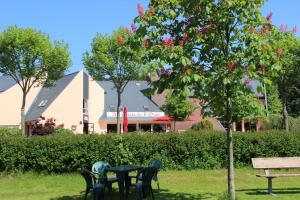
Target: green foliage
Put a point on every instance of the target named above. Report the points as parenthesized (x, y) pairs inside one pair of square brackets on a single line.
[(274, 104), (203, 124), (30, 58), (275, 122), (62, 132), (177, 151), (6, 132), (178, 106), (115, 58)]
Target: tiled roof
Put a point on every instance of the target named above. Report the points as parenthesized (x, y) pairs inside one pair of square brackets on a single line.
[(6, 82), (132, 97), (48, 95)]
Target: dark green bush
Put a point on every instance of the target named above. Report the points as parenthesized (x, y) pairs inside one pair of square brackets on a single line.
[(4, 132), (62, 132), (275, 122), (190, 150)]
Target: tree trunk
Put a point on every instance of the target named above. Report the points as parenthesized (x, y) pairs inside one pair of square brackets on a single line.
[(230, 167), (285, 119), (118, 111), (174, 125), (23, 113)]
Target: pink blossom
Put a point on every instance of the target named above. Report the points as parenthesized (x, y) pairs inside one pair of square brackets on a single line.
[(184, 39), (168, 42), (152, 10), (266, 29), (133, 27), (127, 30), (147, 43), (279, 52), (231, 65), (283, 27), (141, 10), (251, 29), (294, 30), (269, 17), (120, 40)]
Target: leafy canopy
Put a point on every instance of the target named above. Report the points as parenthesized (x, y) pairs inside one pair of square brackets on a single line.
[(30, 58), (114, 58), (178, 106)]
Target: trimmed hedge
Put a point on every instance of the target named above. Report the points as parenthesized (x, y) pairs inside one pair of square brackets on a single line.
[(177, 150)]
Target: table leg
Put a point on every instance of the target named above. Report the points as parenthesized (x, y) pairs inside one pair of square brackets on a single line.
[(121, 185)]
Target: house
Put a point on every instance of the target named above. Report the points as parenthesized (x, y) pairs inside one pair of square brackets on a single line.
[(11, 101)]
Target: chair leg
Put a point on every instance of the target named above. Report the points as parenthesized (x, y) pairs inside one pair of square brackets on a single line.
[(139, 192), (86, 193), (151, 191), (109, 191)]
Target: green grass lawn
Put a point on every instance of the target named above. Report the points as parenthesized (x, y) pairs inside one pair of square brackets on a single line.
[(183, 185)]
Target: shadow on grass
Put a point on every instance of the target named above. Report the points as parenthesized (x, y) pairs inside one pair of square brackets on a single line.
[(163, 195), (260, 191)]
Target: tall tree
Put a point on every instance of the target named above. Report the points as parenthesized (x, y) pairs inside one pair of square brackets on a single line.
[(273, 100), (30, 58), (178, 106), (288, 49), (210, 46), (115, 58)]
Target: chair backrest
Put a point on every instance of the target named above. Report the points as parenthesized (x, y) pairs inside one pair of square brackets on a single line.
[(156, 164), (100, 168), (147, 175), (89, 177)]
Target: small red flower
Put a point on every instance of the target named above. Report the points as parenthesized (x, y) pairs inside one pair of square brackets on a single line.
[(133, 27), (152, 10), (283, 27), (141, 10), (184, 39), (294, 30), (269, 17), (127, 30), (231, 65), (279, 52), (147, 43), (168, 42), (120, 40), (251, 30), (262, 69)]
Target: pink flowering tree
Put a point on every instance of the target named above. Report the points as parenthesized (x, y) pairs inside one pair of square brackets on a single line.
[(211, 47), (115, 58)]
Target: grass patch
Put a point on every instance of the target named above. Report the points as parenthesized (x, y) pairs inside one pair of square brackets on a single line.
[(182, 185)]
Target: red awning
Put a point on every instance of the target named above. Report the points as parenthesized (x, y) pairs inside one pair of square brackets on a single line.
[(163, 118)]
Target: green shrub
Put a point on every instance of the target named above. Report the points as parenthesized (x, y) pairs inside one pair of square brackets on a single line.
[(275, 122), (190, 150), (4, 132), (203, 124), (62, 132)]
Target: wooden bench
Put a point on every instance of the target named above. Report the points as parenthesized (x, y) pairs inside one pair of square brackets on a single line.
[(275, 163)]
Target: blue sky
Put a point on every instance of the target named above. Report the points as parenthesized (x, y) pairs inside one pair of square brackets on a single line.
[(77, 21)]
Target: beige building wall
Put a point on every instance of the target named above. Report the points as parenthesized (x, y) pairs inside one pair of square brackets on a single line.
[(10, 104), (96, 106), (67, 108)]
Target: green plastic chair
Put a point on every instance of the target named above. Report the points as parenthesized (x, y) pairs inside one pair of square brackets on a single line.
[(100, 168), (143, 186), (157, 164), (91, 184)]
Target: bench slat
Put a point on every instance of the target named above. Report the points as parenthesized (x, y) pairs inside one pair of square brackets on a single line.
[(277, 175), (276, 163)]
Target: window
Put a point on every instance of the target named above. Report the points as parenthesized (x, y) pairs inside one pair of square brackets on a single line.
[(85, 106), (112, 108), (43, 103), (146, 108)]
